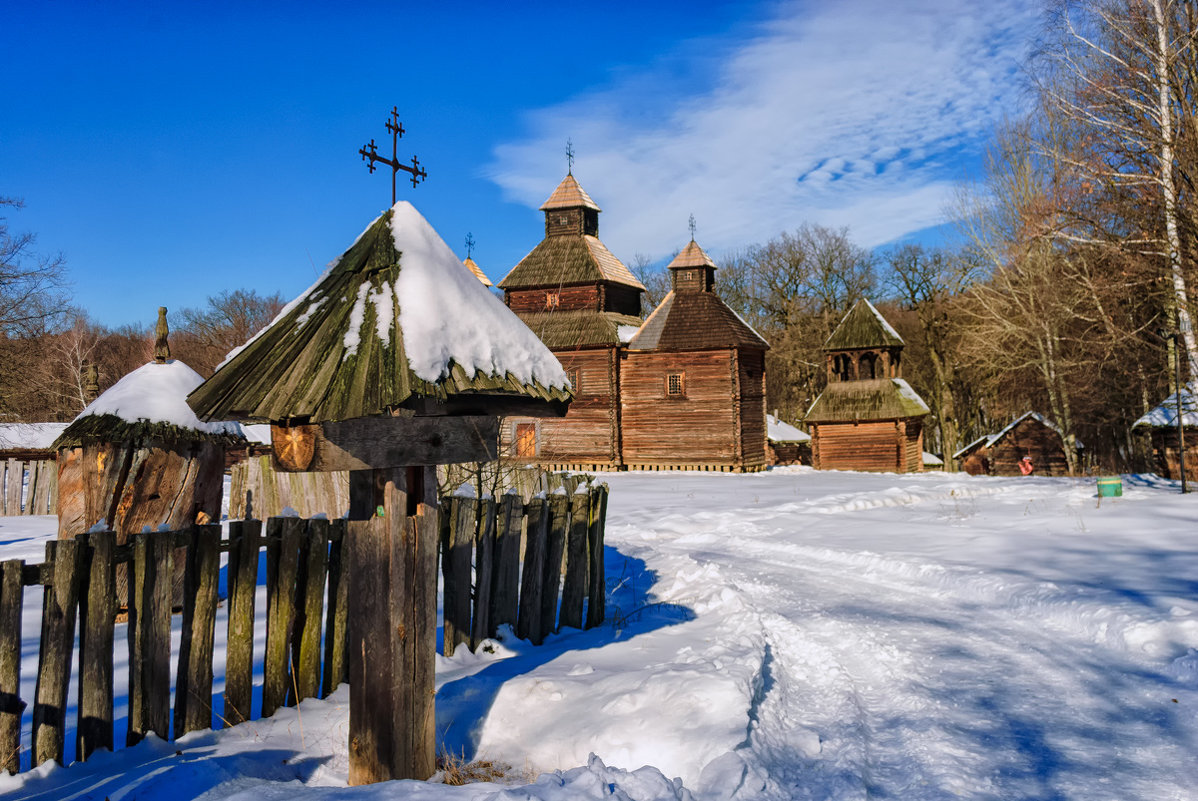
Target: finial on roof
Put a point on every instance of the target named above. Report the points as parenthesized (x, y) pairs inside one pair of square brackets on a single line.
[(569, 157), (91, 382), (691, 224), (162, 347), (469, 244)]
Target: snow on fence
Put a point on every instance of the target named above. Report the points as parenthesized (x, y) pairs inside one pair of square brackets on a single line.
[(306, 619), (28, 487)]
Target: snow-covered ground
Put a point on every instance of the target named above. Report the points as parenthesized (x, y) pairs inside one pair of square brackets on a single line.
[(791, 634)]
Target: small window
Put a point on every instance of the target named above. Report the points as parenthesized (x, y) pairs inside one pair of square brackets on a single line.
[(553, 300), (676, 385), (575, 379), (526, 440)]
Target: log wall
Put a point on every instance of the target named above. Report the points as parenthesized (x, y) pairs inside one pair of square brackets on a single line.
[(1165, 452), (1032, 438), (570, 298), (875, 446)]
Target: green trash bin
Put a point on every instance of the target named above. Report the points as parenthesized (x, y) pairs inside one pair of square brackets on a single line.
[(1110, 487)]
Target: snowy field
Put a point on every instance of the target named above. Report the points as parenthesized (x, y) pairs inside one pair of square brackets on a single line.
[(790, 635)]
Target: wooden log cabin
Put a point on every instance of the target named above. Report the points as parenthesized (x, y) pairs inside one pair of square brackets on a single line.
[(1161, 425), (692, 389), (867, 418), (999, 454), (584, 304)]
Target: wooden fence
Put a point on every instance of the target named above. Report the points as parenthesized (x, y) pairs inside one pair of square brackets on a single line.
[(28, 487), (306, 645), (254, 483)]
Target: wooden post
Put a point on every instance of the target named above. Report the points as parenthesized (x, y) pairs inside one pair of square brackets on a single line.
[(528, 626), (481, 626), (243, 580), (336, 637), (16, 475), (574, 589), (150, 595), (96, 642), (193, 685), (59, 607), (11, 705), (559, 522), (597, 578), (305, 657), (506, 577), (282, 566), (456, 556)]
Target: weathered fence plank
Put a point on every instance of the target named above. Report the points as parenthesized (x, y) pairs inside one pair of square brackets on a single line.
[(505, 580), (481, 627), (243, 580), (96, 642), (59, 608), (455, 567), (528, 625), (596, 578), (11, 705), (422, 623), (13, 481), (282, 566), (336, 637), (193, 686), (313, 568), (151, 591), (555, 548), (574, 588)]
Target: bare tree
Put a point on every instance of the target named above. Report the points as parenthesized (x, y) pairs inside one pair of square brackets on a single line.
[(228, 320), (32, 286)]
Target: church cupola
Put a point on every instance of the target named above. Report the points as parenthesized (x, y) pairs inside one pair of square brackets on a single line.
[(570, 210), (692, 270), (864, 347)]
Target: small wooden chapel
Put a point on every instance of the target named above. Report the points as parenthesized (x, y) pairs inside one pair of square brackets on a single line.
[(867, 417)]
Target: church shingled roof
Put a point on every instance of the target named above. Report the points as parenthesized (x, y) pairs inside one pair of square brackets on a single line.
[(695, 321), (566, 260), (569, 195), (345, 349), (478, 272), (566, 330), (875, 399), (691, 256), (863, 327)]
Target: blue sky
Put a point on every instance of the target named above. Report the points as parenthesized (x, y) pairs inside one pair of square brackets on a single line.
[(174, 150)]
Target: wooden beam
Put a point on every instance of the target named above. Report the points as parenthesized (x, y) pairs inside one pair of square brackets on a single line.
[(380, 443)]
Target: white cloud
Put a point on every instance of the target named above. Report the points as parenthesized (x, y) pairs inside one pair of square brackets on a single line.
[(861, 113)]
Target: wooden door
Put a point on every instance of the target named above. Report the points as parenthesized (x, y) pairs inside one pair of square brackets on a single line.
[(526, 440)]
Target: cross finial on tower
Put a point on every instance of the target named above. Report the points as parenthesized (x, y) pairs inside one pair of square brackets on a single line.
[(370, 154), (469, 244), (569, 157), (691, 225)]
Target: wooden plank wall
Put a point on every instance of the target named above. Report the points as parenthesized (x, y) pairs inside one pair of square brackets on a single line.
[(570, 298), (28, 487), (1165, 451), (268, 492), (697, 428), (869, 446), (751, 377)]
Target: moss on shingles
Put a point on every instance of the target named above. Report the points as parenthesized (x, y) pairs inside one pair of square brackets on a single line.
[(110, 428)]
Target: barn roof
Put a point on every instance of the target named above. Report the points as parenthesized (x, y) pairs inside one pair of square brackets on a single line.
[(148, 403), (874, 399), (569, 195), (396, 320), (695, 321), (1165, 414), (863, 327), (478, 273), (29, 436), (565, 260), (562, 330), (778, 431)]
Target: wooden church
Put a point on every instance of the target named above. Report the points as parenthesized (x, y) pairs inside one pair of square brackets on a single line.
[(685, 390), (867, 417)]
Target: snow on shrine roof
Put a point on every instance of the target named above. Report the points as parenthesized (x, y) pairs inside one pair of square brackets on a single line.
[(863, 327), (478, 273), (691, 256), (29, 436), (1165, 413), (151, 399), (333, 353), (569, 195), (778, 431)]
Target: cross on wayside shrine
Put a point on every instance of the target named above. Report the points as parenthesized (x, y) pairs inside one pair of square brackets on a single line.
[(370, 154)]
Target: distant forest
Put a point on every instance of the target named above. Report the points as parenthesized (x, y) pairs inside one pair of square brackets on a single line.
[(1068, 291)]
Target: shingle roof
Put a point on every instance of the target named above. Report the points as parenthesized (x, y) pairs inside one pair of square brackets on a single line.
[(691, 256), (875, 399), (324, 357), (566, 260), (695, 321), (569, 195), (564, 330), (863, 327), (478, 273)]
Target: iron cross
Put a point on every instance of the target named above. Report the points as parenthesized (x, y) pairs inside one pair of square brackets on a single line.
[(469, 244), (370, 154), (691, 225), (569, 157)]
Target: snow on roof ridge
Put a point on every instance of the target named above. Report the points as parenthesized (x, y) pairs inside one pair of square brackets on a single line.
[(780, 431), (1164, 414), (156, 393)]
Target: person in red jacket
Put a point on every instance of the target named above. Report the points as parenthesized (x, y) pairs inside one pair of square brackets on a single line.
[(1026, 467)]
